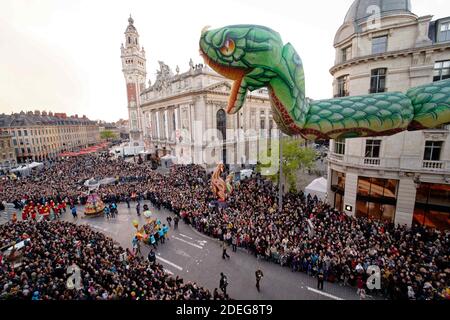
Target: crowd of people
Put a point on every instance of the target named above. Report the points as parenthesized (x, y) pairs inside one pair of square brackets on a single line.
[(41, 269), (306, 235)]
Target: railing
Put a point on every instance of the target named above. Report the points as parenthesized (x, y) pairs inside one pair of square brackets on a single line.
[(402, 163), (336, 156), (372, 161), (435, 165)]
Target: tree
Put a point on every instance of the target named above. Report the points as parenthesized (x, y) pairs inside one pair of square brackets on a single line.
[(295, 158), (108, 135)]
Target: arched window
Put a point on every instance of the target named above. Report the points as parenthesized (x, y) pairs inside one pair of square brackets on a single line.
[(221, 123), (129, 40)]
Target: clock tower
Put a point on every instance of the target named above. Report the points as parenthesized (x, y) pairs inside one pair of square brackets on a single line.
[(134, 70)]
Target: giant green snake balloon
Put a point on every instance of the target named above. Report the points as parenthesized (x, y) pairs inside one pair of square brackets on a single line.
[(255, 57)]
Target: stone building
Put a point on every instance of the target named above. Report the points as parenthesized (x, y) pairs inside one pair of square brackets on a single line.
[(7, 152), (383, 46), (39, 136), (184, 116)]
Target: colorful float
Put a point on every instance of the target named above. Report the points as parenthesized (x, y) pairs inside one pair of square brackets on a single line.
[(148, 232), (94, 205), (221, 188)]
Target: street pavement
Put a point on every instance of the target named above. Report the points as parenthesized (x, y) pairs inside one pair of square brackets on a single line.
[(196, 257)]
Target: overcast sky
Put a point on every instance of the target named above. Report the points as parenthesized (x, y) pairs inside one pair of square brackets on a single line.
[(64, 55)]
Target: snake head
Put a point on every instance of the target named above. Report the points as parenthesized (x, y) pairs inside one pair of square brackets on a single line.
[(235, 52)]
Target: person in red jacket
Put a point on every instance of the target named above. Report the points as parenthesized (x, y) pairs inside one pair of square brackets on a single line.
[(25, 213), (33, 214), (46, 211)]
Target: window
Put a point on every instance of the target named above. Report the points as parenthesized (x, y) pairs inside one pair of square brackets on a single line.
[(253, 119), (337, 181), (444, 32), (342, 86), (432, 206), (20, 133), (346, 53), (25, 132), (174, 123), (262, 120), (378, 80), (339, 146), (221, 123), (432, 151), (441, 70), (379, 45), (373, 148), (271, 123), (376, 198)]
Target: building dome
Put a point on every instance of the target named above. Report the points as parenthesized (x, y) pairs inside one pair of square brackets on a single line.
[(361, 9)]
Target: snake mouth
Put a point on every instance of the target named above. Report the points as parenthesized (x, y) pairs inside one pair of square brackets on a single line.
[(233, 73)]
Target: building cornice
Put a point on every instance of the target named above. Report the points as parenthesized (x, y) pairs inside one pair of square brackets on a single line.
[(389, 55), (196, 93), (386, 27)]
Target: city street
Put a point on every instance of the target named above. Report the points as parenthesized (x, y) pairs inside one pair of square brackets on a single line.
[(196, 257)]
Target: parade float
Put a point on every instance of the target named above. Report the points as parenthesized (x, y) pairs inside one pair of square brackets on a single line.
[(147, 233), (94, 205), (255, 57), (221, 188)]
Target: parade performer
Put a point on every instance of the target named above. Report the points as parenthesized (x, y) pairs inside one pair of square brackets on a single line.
[(255, 57)]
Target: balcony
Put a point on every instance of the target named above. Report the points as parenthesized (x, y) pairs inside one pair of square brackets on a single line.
[(433, 165), (404, 163), (373, 162), (336, 157)]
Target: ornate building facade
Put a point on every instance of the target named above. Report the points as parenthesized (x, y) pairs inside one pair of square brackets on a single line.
[(134, 70), (383, 46), (39, 136), (184, 116), (7, 152)]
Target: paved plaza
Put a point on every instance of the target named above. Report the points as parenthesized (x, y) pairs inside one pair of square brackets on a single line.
[(196, 257)]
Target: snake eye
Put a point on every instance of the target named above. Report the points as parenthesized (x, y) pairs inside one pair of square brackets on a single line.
[(228, 47)]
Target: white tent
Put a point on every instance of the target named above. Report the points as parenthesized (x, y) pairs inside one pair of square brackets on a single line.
[(25, 169), (317, 188), (168, 160)]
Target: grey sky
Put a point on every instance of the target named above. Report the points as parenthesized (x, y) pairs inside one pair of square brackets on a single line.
[(64, 55)]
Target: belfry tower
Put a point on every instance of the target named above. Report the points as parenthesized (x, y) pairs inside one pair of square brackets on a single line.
[(134, 70)]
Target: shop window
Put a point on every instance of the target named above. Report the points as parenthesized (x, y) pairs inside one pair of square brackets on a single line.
[(338, 181), (432, 207)]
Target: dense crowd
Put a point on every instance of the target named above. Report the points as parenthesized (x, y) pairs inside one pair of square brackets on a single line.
[(38, 271), (306, 235)]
